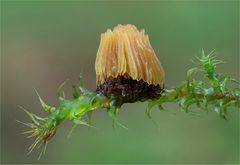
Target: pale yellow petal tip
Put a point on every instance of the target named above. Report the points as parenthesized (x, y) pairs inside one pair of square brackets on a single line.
[(125, 51)]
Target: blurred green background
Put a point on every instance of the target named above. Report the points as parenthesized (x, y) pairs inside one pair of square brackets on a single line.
[(45, 43)]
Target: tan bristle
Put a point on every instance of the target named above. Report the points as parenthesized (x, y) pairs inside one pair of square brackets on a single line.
[(125, 51)]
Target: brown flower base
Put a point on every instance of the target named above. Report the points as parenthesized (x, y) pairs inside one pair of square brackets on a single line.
[(127, 90)]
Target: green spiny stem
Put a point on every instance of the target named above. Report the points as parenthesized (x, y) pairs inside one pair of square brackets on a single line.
[(177, 95), (214, 92), (74, 110)]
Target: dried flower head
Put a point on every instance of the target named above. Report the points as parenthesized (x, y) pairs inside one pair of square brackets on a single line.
[(125, 51), (126, 65)]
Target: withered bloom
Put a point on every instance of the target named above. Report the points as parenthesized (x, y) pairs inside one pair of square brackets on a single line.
[(126, 65)]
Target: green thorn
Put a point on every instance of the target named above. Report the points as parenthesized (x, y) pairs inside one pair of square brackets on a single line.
[(59, 90), (71, 131), (32, 116), (203, 53), (46, 107), (89, 114), (75, 94), (81, 80), (114, 119)]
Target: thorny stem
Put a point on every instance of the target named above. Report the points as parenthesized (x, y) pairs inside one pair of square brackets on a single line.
[(178, 95), (215, 92)]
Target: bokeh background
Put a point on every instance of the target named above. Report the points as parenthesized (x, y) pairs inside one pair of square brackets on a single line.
[(44, 43)]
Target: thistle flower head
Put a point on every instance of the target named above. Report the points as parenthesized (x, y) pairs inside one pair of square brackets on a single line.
[(125, 51)]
